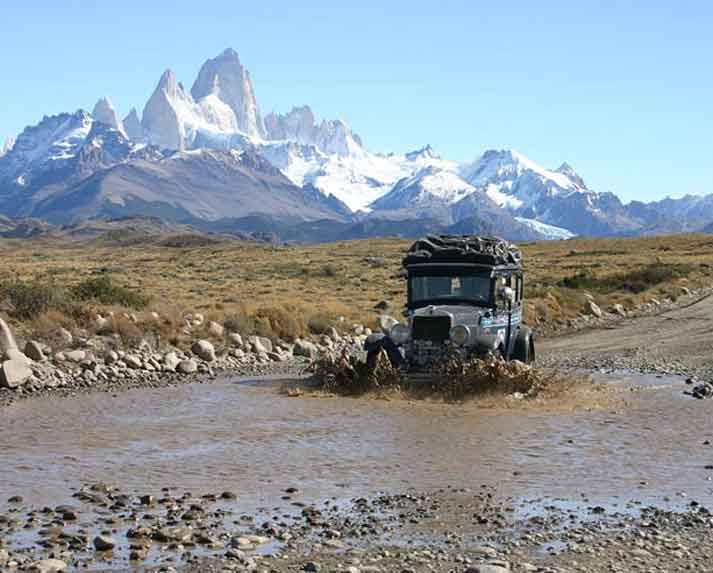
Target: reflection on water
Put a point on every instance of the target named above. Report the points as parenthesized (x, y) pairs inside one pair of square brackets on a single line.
[(249, 439)]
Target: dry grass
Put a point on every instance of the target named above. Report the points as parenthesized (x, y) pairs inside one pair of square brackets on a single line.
[(294, 290)]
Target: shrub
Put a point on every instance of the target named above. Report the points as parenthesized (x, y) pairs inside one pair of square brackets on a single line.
[(319, 323), (635, 281), (104, 291), (29, 300)]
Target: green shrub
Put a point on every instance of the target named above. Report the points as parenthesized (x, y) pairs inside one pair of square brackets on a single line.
[(634, 281), (29, 300), (104, 291)]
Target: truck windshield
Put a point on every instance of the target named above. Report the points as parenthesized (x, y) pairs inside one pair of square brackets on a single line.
[(473, 289)]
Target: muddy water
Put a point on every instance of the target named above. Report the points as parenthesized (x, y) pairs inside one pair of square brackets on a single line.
[(247, 438)]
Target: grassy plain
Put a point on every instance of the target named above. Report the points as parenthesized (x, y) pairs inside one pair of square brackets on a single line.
[(291, 290)]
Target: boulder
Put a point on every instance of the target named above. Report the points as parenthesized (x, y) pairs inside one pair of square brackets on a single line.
[(204, 350), (618, 309), (235, 339), (260, 344), (48, 566), (14, 373), (189, 366), (14, 354), (104, 543), (75, 355), (593, 309), (100, 322), (171, 361), (215, 329), (7, 340), (63, 337), (133, 361), (33, 350), (111, 357), (305, 348)]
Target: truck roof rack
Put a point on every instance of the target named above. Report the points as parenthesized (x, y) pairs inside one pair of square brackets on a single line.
[(455, 249)]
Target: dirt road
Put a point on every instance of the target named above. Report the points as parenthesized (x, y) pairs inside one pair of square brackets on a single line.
[(678, 341)]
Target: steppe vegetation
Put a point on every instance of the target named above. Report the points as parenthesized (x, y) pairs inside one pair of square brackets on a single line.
[(292, 291)]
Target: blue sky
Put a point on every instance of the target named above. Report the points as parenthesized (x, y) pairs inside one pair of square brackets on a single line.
[(621, 90)]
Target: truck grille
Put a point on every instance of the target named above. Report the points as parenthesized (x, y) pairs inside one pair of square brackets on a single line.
[(433, 328)]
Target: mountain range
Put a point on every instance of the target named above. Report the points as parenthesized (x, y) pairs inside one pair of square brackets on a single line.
[(206, 157)]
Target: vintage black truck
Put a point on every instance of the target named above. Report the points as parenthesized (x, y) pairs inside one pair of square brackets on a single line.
[(465, 297)]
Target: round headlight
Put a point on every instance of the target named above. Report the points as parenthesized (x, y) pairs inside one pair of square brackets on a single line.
[(400, 333), (460, 334)]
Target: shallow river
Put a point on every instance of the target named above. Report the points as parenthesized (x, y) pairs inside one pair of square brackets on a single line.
[(246, 437)]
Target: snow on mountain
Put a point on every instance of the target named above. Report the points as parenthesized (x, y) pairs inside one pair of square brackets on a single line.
[(105, 113), (228, 82), (548, 231), (132, 126), (7, 145), (173, 119), (428, 185), (45, 146)]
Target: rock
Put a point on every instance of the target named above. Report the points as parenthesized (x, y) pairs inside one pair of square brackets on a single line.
[(48, 566), (593, 309), (204, 350), (14, 373), (171, 361), (333, 334), (235, 339), (75, 355), (488, 568), (215, 329), (63, 337), (133, 361), (386, 323), (312, 566), (178, 534), (100, 322), (34, 351), (104, 543), (7, 340), (382, 305), (4, 557), (260, 344), (189, 366), (111, 357), (618, 309), (14, 354), (305, 348)]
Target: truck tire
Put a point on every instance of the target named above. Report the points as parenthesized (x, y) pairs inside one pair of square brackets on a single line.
[(524, 350)]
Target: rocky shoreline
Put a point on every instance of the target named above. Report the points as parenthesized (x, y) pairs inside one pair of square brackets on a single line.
[(85, 364), (448, 530)]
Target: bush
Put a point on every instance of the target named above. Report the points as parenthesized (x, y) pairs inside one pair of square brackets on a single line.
[(319, 323), (104, 291), (635, 281), (30, 300)]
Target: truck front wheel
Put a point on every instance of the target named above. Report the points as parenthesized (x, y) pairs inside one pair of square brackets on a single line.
[(524, 350)]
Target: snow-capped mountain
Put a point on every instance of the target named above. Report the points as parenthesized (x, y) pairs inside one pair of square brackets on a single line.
[(105, 113), (294, 167), (7, 145)]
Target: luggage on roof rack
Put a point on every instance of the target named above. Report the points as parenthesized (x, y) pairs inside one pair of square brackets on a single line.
[(463, 249)]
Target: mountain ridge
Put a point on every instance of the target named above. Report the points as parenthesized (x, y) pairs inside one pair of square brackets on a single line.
[(95, 164)]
